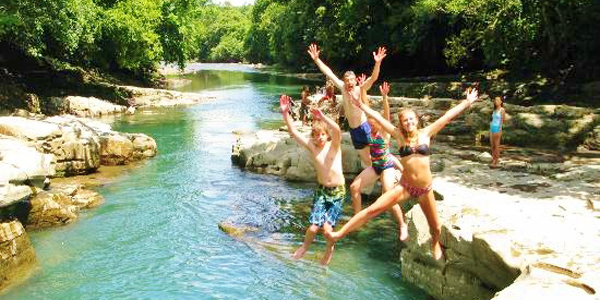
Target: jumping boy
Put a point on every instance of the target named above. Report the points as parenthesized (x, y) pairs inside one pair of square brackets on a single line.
[(329, 196), (357, 119)]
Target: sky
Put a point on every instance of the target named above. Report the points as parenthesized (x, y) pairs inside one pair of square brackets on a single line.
[(234, 2)]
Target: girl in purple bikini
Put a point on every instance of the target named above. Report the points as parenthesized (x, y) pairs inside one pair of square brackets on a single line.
[(416, 176)]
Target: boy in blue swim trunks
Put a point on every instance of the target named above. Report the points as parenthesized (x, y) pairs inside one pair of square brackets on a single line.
[(326, 154), (360, 129)]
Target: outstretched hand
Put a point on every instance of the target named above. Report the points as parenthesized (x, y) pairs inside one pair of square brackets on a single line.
[(380, 54), (360, 80), (472, 95), (284, 103), (384, 89), (313, 51)]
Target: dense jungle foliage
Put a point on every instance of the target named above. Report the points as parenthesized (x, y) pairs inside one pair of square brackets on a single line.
[(556, 38)]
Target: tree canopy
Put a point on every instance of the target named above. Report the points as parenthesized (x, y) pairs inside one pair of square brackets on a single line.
[(552, 37)]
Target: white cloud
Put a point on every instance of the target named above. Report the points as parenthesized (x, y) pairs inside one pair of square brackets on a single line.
[(235, 2)]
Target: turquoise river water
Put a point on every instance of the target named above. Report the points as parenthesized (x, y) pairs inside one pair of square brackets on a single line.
[(156, 236)]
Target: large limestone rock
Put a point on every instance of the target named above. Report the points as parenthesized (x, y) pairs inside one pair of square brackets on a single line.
[(60, 206), (21, 169), (79, 145), (120, 148), (505, 247), (17, 256), (74, 146), (90, 107), (275, 152)]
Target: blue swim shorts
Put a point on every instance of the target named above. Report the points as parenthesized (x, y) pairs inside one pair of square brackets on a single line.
[(360, 135)]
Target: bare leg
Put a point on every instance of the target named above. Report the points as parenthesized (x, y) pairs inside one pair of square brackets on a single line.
[(365, 156), (492, 149), (330, 245), (497, 138), (402, 226), (495, 145), (387, 183), (365, 178), (383, 203), (308, 239), (427, 203)]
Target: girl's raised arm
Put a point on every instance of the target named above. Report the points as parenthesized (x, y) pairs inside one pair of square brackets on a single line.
[(439, 124)]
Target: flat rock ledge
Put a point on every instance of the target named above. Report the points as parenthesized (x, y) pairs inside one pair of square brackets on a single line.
[(507, 234), (149, 97), (137, 97)]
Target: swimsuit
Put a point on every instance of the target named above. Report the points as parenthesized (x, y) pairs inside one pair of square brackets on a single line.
[(379, 154), (327, 205), (496, 124), (413, 190), (361, 135), (422, 149)]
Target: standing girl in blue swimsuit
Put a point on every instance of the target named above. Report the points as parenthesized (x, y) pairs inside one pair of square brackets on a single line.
[(496, 130), (382, 163), (416, 175)]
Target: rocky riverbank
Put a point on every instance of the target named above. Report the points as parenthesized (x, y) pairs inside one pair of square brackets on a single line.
[(48, 164), (528, 230)]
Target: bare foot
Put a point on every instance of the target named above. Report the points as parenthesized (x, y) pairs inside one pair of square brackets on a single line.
[(403, 232), (328, 254), (436, 250), (299, 253)]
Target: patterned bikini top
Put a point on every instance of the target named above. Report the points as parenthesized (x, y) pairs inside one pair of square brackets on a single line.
[(422, 149)]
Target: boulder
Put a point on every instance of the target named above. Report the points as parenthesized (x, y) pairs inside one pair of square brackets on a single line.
[(17, 256), (90, 107), (49, 209), (79, 145), (592, 140), (60, 206), (22, 168), (74, 146), (275, 152)]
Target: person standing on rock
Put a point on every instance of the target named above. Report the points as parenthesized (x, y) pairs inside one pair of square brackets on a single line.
[(496, 130), (326, 153), (416, 176), (382, 163), (359, 128), (304, 105)]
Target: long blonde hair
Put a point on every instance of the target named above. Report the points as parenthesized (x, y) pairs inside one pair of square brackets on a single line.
[(401, 127)]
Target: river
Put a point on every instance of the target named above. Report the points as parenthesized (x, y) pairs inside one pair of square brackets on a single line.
[(157, 235)]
